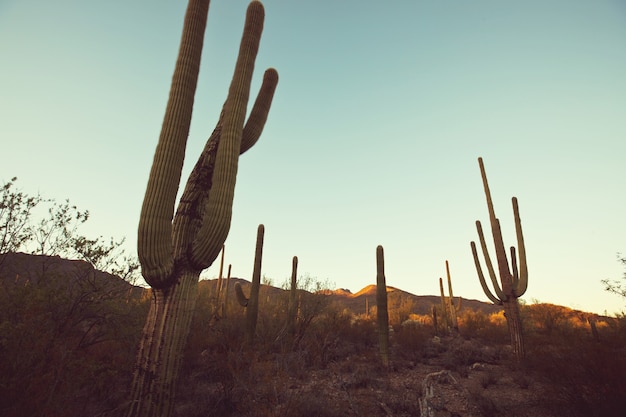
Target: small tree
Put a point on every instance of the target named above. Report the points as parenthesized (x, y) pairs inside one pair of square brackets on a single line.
[(56, 315)]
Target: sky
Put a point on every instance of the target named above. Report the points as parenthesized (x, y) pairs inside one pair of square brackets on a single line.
[(381, 112)]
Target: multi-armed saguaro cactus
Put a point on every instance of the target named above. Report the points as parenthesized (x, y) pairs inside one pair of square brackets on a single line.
[(173, 250), (513, 282), (382, 315), (449, 310)]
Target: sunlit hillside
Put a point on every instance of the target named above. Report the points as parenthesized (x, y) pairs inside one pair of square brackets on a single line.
[(68, 336)]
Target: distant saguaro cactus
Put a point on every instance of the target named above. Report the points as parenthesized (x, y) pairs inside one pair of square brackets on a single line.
[(447, 303), (513, 283), (174, 249), (220, 283), (251, 303), (225, 302), (292, 309), (382, 314), (252, 309)]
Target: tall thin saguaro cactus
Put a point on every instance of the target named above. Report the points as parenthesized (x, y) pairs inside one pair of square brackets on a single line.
[(173, 250), (382, 315), (251, 303), (513, 282), (220, 283), (447, 303), (252, 309), (292, 308)]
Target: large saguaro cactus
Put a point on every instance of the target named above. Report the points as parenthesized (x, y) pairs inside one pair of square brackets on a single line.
[(174, 249), (513, 282)]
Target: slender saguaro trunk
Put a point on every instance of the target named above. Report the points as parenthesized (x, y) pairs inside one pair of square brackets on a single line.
[(174, 249), (225, 302), (513, 282), (382, 314), (292, 310), (252, 309), (220, 283), (453, 317), (444, 306)]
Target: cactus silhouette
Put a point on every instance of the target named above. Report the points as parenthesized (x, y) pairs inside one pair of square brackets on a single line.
[(174, 249), (220, 283), (241, 297), (382, 314), (252, 303), (252, 309), (449, 309), (292, 309), (513, 282), (225, 302)]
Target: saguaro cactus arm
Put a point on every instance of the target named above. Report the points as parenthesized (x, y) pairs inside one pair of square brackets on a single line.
[(198, 203), (521, 279), (155, 224), (258, 115), (218, 211), (449, 281), (503, 265), (481, 278), (492, 273)]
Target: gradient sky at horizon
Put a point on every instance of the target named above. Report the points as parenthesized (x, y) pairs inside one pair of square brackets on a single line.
[(380, 114)]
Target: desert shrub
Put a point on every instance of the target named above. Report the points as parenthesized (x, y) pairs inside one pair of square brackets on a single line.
[(489, 328), (584, 379), (486, 405), (460, 354), (400, 307), (308, 404), (362, 333), (488, 378), (612, 330), (67, 338), (411, 339)]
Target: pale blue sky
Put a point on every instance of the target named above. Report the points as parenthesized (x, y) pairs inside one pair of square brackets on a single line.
[(380, 114)]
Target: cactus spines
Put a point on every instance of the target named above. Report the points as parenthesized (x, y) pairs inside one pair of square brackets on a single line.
[(382, 315), (513, 282), (174, 249), (252, 309), (292, 309)]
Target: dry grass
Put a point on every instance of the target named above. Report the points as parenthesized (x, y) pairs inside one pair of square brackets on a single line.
[(331, 365)]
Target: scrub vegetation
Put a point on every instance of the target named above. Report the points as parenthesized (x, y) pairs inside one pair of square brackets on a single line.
[(69, 333)]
